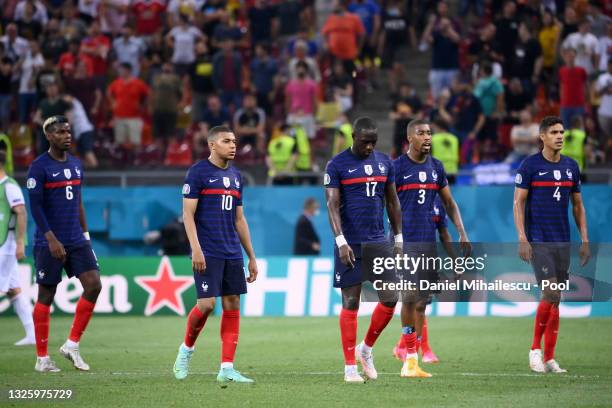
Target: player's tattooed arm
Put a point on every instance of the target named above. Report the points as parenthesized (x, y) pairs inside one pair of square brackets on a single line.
[(332, 197), (242, 228), (198, 263), (395, 213), (581, 222), (452, 209), (520, 199)]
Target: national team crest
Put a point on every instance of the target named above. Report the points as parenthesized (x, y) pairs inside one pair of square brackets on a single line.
[(422, 176), (382, 168), (226, 182), (434, 175), (237, 182), (78, 172), (436, 210), (568, 172), (68, 173), (368, 169), (557, 174)]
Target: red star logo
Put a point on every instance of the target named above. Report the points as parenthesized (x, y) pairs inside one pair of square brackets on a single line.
[(165, 289)]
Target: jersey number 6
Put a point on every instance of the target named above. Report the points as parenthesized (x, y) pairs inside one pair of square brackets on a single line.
[(69, 193)]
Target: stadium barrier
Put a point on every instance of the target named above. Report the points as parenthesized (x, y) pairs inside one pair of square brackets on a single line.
[(286, 286)]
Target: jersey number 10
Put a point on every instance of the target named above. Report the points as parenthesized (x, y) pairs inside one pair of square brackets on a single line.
[(227, 201)]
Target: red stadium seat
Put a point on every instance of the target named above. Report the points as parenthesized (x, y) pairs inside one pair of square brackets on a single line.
[(178, 154), (23, 156)]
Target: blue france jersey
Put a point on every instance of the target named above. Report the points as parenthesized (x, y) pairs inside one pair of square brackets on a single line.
[(550, 186), (439, 214), (58, 187), (362, 193), (219, 192), (417, 188)]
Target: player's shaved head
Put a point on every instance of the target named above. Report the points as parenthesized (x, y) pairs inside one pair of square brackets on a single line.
[(364, 125), (413, 124), (215, 133)]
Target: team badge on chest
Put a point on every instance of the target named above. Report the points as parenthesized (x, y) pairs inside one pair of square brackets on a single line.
[(434, 175), (68, 173), (382, 168), (557, 175), (368, 169), (226, 182), (422, 176), (568, 172), (237, 182)]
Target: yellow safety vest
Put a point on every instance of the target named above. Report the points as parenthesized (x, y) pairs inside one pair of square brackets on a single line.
[(280, 150), (573, 146), (304, 161), (346, 131), (8, 166), (445, 147)]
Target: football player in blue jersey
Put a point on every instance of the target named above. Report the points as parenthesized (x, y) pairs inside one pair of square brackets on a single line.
[(545, 184)]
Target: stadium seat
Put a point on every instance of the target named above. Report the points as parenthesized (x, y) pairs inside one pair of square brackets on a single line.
[(149, 155), (178, 154), (23, 156)]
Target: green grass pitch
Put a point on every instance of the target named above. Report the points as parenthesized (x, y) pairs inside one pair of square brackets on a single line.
[(298, 362)]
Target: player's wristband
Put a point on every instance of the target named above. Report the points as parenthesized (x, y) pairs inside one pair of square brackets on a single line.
[(399, 239), (86, 236), (341, 241)]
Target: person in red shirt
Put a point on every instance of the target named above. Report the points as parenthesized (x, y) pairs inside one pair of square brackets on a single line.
[(147, 14), (69, 60), (127, 95), (573, 88), (95, 47), (344, 34)]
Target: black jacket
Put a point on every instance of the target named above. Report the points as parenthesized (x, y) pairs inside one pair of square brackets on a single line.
[(305, 236)]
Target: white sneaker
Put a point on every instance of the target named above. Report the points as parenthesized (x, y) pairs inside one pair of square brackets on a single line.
[(553, 367), (367, 361), (26, 341), (535, 361), (351, 375), (73, 355), (46, 365)]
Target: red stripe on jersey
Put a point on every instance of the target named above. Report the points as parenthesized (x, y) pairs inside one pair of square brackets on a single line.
[(59, 184), (364, 180), (220, 191), (552, 183), (417, 186)]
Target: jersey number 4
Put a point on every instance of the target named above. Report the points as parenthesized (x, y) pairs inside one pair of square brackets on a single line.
[(371, 188), (227, 202), (557, 194)]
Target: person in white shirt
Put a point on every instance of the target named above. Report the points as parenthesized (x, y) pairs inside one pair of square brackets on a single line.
[(605, 49), (524, 138), (88, 10), (182, 39), (113, 15), (13, 219), (586, 46), (604, 113), (29, 67), (130, 49), (40, 12), (83, 131), (15, 47)]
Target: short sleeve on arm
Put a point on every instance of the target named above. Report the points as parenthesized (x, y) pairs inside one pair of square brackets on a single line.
[(523, 176), (192, 186), (331, 179)]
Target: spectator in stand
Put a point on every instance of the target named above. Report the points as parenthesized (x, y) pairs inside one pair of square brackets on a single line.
[(605, 49), (201, 80), (83, 131), (71, 26), (68, 60), (288, 14), (312, 49), (127, 96), (463, 111), (344, 35), (300, 55), (88, 10), (130, 49), (82, 86), (216, 114), (549, 42), (6, 96), (28, 27), (340, 86), (263, 70), (187, 8), (29, 66), (54, 43), (395, 39), (586, 47), (249, 125), (526, 61), (570, 22), (490, 93), (96, 47), (214, 11), (524, 138), (575, 142), (443, 35), (263, 22), (227, 29), (604, 114), (406, 106), (466, 5), (506, 34), (445, 147), (113, 16), (15, 47), (573, 87), (227, 74), (516, 99), (52, 104), (148, 15), (301, 101), (165, 102), (182, 40), (599, 21), (485, 48), (37, 9), (369, 12)]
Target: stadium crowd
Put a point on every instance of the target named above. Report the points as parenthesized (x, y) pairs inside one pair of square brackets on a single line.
[(142, 81)]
